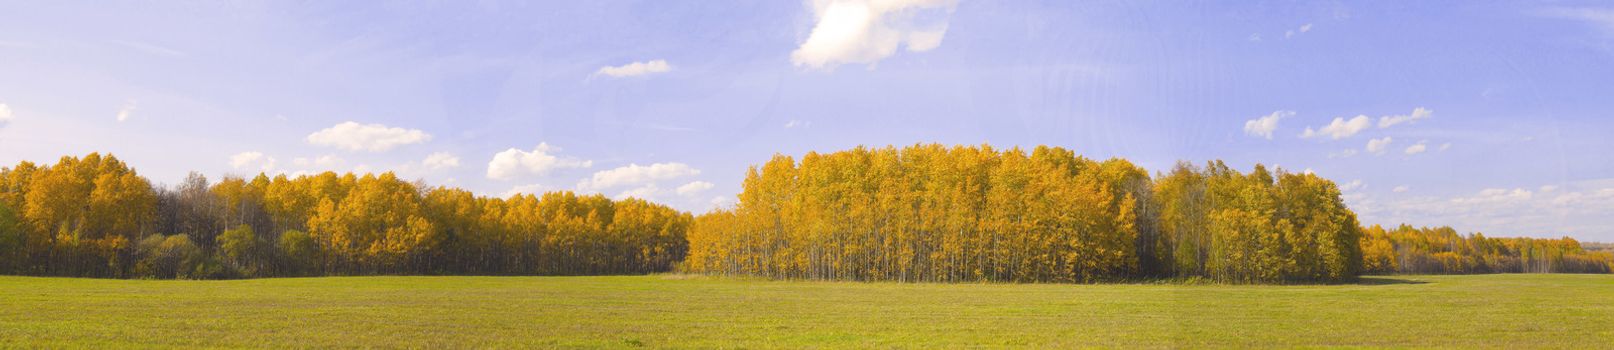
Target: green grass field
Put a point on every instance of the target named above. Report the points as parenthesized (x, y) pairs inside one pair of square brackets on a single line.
[(1494, 311)]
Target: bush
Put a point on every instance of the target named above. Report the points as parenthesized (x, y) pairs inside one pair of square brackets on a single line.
[(240, 249), (297, 252), (172, 256)]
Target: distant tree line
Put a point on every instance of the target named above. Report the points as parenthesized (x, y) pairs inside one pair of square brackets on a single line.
[(1596, 247), (919, 213), (94, 216), (1442, 251)]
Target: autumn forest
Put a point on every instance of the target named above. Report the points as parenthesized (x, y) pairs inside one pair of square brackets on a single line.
[(929, 213)]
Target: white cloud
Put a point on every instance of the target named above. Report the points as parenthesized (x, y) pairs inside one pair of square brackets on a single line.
[(635, 69), (514, 162), (1378, 146), (1419, 113), (1264, 126), (634, 174), (353, 136), (694, 188), (1445, 146), (1340, 128), (1256, 37), (1548, 188), (1417, 148), (126, 111), (1305, 27), (866, 31), (1400, 189), (1352, 186), (250, 160), (797, 124), (441, 160), (1347, 153), (5, 114)]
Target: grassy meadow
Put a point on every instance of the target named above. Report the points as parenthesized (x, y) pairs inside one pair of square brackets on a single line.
[(1483, 311)]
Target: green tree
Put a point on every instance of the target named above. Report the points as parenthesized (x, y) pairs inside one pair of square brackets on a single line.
[(242, 250), (298, 253)]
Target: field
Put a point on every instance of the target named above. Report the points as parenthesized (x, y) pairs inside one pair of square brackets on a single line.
[(1490, 311)]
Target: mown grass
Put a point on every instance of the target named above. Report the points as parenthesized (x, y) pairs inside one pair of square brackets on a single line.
[(1483, 311)]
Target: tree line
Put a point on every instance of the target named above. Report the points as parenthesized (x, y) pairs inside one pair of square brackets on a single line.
[(1441, 250), (918, 213), (94, 216), (933, 213), (947, 214)]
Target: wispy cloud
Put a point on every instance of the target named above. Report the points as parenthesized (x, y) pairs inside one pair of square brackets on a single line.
[(150, 48), (1419, 113), (5, 114), (126, 111), (1494, 195), (1297, 31), (652, 126), (1601, 17), (635, 69)]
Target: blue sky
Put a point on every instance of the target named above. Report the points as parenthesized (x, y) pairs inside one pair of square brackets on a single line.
[(1486, 116)]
